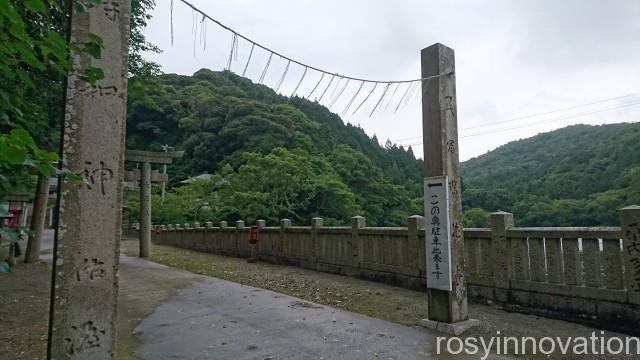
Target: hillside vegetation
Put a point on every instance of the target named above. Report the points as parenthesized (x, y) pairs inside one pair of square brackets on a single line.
[(575, 176), (271, 157), (274, 157)]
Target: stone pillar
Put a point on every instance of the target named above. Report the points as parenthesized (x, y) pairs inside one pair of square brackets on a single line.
[(553, 253), (630, 225), (572, 260), (209, 225), (284, 224), (196, 225), (415, 223), (316, 223), (262, 247), (239, 225), (37, 219), (591, 262), (502, 261), (49, 218), (24, 216), (612, 264), (224, 243), (82, 320), (355, 251), (440, 138), (12, 257), (145, 210), (536, 259)]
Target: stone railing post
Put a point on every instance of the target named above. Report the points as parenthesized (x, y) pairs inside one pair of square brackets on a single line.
[(283, 251), (316, 223), (239, 225), (355, 246), (223, 244), (630, 226), (261, 246), (187, 226), (502, 261), (209, 224), (170, 227), (178, 227), (417, 253)]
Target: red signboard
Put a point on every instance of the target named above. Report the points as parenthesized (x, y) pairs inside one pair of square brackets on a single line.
[(253, 235)]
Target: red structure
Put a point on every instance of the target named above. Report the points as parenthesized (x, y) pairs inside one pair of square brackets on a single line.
[(16, 209), (253, 235), (12, 222)]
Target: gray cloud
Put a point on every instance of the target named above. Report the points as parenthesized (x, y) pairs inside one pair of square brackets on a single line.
[(581, 33)]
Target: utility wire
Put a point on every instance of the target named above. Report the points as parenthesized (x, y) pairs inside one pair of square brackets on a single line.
[(573, 116), (550, 112), (534, 115)]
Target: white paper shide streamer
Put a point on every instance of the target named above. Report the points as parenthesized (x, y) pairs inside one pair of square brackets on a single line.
[(329, 87)]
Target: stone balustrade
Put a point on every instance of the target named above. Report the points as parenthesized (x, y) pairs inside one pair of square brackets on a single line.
[(589, 274)]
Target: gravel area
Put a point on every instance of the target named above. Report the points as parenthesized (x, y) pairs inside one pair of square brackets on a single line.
[(377, 300)]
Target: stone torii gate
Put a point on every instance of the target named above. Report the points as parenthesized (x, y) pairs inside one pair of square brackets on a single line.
[(146, 177)]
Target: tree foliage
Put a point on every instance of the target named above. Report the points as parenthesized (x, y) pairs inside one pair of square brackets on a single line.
[(273, 186), (34, 63), (227, 125), (576, 176), (295, 159)]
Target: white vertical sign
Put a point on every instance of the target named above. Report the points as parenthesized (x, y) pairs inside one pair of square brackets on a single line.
[(437, 233)]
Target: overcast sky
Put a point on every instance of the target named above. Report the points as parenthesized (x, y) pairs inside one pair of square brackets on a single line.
[(513, 58)]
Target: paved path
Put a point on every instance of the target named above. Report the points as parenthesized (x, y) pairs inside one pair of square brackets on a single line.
[(217, 319), (189, 316), (168, 313)]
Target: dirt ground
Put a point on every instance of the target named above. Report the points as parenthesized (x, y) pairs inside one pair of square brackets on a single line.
[(24, 306)]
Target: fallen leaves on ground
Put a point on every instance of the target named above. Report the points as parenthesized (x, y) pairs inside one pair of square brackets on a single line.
[(378, 300)]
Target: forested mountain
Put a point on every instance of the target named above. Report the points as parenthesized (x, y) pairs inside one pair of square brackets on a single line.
[(575, 176), (272, 157), (275, 157)]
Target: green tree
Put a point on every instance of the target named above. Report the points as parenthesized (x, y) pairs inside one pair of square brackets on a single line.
[(475, 218), (34, 63), (280, 184)]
